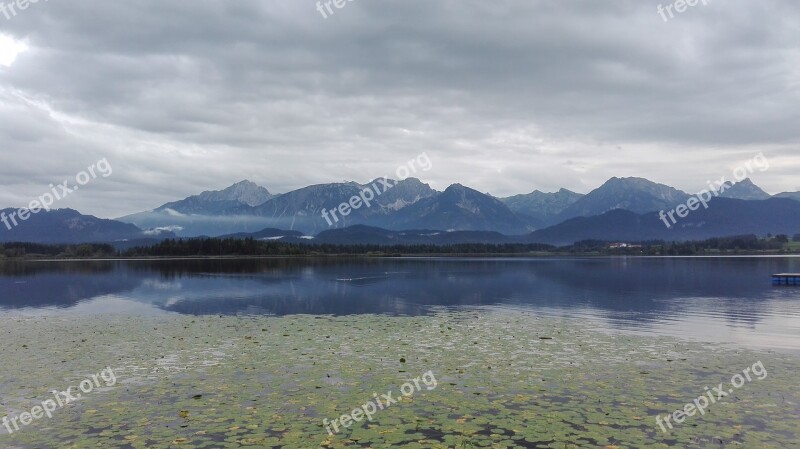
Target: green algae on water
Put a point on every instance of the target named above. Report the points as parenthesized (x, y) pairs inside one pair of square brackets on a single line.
[(506, 379)]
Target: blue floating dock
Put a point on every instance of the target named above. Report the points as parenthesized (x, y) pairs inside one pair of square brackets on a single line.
[(786, 279)]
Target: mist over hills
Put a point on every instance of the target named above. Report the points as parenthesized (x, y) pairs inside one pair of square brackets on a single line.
[(70, 226), (624, 209)]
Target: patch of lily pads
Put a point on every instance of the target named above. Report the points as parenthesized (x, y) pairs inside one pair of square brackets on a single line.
[(505, 379)]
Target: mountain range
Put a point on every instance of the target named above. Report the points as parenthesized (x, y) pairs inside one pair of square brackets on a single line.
[(624, 209), (241, 194), (724, 217), (70, 226)]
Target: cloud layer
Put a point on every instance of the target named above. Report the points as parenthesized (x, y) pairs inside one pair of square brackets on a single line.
[(505, 96)]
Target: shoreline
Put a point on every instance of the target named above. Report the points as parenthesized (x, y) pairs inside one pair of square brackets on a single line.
[(410, 256)]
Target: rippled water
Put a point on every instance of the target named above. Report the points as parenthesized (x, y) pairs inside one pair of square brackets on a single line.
[(723, 300)]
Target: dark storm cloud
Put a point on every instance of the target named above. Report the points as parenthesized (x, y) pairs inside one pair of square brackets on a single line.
[(506, 96)]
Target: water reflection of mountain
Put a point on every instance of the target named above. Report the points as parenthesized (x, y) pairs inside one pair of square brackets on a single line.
[(44, 284), (621, 289)]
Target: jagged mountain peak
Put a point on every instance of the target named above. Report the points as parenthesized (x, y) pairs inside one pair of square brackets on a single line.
[(638, 195), (211, 202), (744, 190), (460, 208), (542, 207), (245, 191)]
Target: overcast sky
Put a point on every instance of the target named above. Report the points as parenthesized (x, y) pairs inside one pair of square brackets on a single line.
[(505, 96)]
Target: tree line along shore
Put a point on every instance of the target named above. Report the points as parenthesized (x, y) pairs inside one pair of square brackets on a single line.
[(248, 247)]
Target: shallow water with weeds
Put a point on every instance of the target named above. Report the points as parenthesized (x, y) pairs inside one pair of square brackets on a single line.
[(506, 379)]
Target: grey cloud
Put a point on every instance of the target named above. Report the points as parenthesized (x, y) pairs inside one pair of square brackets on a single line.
[(510, 95)]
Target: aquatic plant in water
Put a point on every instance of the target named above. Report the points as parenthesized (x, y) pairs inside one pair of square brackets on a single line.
[(505, 379)]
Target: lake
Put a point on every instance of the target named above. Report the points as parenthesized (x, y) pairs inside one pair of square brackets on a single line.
[(504, 353), (727, 300)]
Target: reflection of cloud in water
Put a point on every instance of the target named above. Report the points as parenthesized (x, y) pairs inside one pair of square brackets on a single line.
[(100, 305), (161, 285), (720, 300)]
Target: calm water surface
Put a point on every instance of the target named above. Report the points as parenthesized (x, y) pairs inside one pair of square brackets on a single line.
[(721, 300)]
